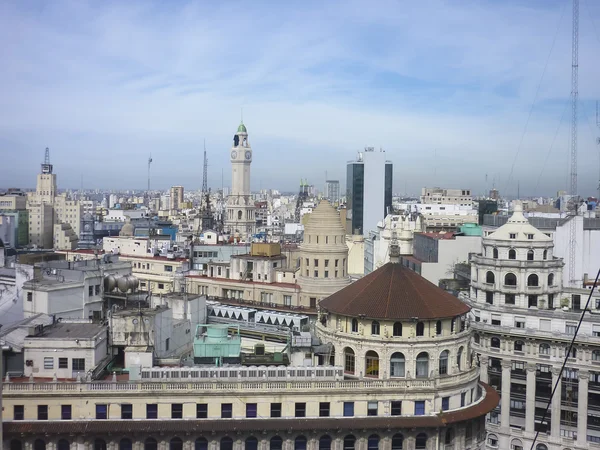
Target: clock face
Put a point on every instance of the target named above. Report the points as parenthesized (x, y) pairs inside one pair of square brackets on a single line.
[(248, 155), (233, 154)]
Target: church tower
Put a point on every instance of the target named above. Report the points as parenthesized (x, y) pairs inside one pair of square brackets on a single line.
[(240, 219)]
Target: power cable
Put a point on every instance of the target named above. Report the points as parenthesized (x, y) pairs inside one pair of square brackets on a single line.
[(537, 92), (567, 354), (567, 103)]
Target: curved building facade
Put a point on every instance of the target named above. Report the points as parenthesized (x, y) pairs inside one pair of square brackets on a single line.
[(523, 324), (323, 256)]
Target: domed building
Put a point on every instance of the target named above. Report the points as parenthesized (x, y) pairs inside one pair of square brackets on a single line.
[(128, 230), (394, 325), (323, 256)]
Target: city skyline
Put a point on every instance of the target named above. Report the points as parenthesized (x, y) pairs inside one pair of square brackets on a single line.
[(446, 91)]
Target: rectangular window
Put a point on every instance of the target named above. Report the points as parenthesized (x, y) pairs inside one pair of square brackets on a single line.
[(509, 299), (226, 410), (126, 411), (161, 285), (29, 296), (545, 325), (570, 328), (463, 398), (512, 235), (201, 410), (316, 274), (316, 263), (90, 290), (151, 411), (42, 412), (348, 409), (63, 363), (97, 289), (337, 262), (300, 409), (445, 403), (396, 408), (496, 319), (520, 322), (307, 263), (18, 412), (176, 411), (168, 268), (419, 408), (101, 411), (287, 300), (324, 409), (489, 297), (275, 409), (532, 301), (48, 362), (550, 301), (372, 408), (167, 342), (78, 364), (576, 302), (251, 410), (65, 412), (326, 263), (530, 236), (327, 274)]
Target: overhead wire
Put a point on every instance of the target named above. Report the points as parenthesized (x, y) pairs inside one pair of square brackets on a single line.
[(565, 360)]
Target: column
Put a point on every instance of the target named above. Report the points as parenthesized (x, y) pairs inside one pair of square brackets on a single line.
[(582, 406), (505, 394), (483, 368), (530, 399), (555, 426)]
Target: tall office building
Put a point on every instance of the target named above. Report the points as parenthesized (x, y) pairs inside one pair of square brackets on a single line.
[(332, 191), (240, 216), (369, 191), (176, 197)]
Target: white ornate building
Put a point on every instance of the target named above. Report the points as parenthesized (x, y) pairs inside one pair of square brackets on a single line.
[(323, 256), (524, 322), (240, 215)]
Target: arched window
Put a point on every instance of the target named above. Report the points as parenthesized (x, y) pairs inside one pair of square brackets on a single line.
[(251, 443), (477, 338), (512, 254), (275, 443), (421, 441), (349, 361), (510, 279), (541, 447), (300, 443), (459, 357), (532, 280), (516, 443), (422, 365), (495, 342), (420, 328), (519, 346), (545, 254), (99, 444), (150, 444), (375, 327), (443, 366), (201, 444), (489, 277), (530, 255), (449, 439), (397, 365), (325, 442), (495, 253), (545, 350), (397, 329), (16, 445), (397, 442), (39, 444), (438, 327), (354, 325), (492, 440), (551, 279), (63, 444), (177, 444), (349, 442), (373, 442), (125, 444), (239, 215), (372, 364)]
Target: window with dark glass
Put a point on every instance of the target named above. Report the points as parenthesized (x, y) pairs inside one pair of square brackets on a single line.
[(396, 409), (275, 409), (18, 412), (324, 409), (300, 409), (372, 408), (126, 411), (65, 412), (445, 403), (348, 409), (63, 363), (151, 411), (419, 408), (226, 410), (78, 364), (201, 410), (176, 410), (251, 410)]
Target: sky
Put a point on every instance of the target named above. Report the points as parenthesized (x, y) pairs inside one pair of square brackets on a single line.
[(460, 94)]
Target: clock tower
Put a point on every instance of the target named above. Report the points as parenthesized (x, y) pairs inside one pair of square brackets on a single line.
[(240, 219)]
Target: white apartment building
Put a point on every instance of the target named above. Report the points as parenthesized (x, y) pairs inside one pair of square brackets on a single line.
[(436, 195), (524, 321), (437, 217)]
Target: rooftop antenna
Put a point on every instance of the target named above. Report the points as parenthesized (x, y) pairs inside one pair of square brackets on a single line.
[(205, 173), (149, 162), (573, 175), (46, 166), (598, 142)]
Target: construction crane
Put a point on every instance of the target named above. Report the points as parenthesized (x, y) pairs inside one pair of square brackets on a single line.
[(574, 206)]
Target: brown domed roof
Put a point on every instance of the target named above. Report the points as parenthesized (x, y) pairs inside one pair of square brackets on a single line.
[(394, 292)]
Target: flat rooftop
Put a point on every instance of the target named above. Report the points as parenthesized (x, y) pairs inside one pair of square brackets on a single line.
[(66, 330)]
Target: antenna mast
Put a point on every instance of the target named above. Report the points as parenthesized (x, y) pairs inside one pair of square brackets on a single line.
[(598, 142), (573, 188), (205, 173), (149, 162)]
